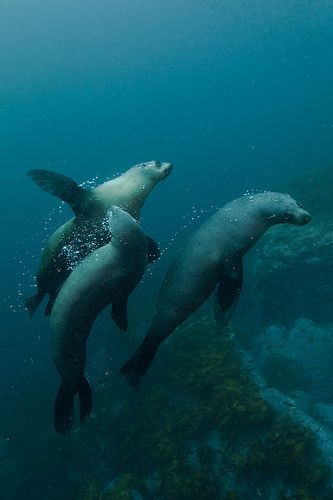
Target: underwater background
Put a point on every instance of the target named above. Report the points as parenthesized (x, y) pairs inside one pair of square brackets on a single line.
[(238, 96)]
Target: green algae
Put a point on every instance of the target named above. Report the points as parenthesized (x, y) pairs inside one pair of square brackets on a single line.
[(199, 385), (90, 490), (121, 489), (288, 450)]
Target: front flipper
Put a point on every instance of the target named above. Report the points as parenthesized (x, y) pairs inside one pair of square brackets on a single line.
[(52, 297), (60, 186), (119, 313), (152, 249), (227, 294), (31, 303)]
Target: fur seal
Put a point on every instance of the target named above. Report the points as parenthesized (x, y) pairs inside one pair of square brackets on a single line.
[(107, 275), (211, 259), (89, 229)]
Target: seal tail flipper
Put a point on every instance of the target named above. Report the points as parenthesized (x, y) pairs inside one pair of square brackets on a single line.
[(60, 186), (64, 405), (227, 294), (63, 410), (137, 366), (119, 313), (153, 250), (31, 303)]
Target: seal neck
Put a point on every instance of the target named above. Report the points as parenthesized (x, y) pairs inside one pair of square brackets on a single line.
[(128, 191), (241, 224)]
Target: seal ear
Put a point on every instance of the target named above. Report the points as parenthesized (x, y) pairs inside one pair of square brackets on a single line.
[(60, 186), (227, 294)]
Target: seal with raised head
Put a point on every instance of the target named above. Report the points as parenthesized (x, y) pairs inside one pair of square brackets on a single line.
[(211, 259), (107, 275), (89, 229)]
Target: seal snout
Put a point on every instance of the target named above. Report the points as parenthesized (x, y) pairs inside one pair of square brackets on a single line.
[(304, 218), (307, 217), (164, 164), (165, 167)]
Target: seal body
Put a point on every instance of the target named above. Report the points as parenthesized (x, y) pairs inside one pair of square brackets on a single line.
[(107, 275), (89, 229), (211, 259)]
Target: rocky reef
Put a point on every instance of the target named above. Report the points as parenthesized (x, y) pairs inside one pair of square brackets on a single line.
[(200, 428)]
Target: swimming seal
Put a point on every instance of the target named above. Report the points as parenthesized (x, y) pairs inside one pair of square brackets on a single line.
[(89, 229), (107, 275), (211, 259)]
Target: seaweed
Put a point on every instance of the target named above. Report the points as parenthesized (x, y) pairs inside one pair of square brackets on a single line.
[(198, 386)]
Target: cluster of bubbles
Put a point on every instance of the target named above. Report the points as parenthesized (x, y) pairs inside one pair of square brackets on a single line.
[(28, 261), (99, 234), (71, 256), (91, 183)]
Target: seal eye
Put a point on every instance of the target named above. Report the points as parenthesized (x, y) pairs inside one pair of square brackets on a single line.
[(299, 205)]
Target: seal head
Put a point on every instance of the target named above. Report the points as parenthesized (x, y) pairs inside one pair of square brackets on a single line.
[(156, 169), (283, 209)]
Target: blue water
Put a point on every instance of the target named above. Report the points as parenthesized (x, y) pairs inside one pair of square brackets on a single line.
[(237, 94)]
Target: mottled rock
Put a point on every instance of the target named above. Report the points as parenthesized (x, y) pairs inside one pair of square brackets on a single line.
[(297, 359)]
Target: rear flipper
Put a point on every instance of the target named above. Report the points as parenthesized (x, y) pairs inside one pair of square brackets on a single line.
[(33, 302), (85, 397), (137, 366), (227, 294), (153, 250), (64, 405)]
